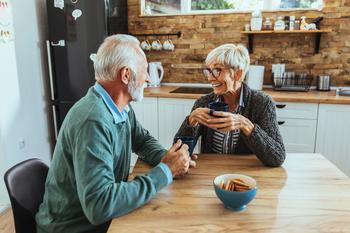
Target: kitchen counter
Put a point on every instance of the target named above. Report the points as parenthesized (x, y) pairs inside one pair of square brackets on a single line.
[(311, 96), (306, 194)]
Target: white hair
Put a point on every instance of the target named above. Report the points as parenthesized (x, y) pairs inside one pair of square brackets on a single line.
[(116, 52), (232, 56)]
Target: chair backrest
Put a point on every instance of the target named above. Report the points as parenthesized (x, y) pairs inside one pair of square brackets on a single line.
[(25, 183)]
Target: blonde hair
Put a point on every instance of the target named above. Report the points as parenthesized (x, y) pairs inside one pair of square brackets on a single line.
[(232, 56), (116, 52)]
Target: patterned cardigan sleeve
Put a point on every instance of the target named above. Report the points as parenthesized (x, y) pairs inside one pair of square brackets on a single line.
[(266, 141)]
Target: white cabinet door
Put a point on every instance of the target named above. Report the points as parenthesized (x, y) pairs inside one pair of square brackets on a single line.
[(298, 134), (146, 113), (297, 110), (333, 134), (172, 112), (297, 123)]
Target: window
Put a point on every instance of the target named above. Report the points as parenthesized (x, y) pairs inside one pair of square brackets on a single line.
[(155, 7)]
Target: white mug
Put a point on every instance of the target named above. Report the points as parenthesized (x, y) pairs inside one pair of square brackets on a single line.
[(171, 46), (156, 45), (145, 45), (168, 45)]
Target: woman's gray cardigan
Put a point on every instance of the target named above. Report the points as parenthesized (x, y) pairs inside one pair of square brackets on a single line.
[(265, 141)]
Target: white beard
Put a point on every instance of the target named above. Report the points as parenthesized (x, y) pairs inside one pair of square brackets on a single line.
[(135, 92)]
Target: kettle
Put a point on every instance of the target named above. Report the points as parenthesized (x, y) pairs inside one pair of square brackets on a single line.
[(156, 72)]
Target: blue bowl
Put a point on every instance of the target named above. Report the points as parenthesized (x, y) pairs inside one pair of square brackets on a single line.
[(235, 200)]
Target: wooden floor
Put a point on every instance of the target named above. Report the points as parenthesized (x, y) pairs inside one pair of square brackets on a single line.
[(6, 222)]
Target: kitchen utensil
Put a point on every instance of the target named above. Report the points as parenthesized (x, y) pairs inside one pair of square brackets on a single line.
[(323, 83), (218, 106), (157, 45), (188, 140), (156, 72), (145, 45), (235, 200)]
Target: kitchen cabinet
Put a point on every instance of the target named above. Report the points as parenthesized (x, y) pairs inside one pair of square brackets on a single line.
[(333, 134), (297, 123), (298, 134), (172, 112), (146, 113), (162, 117)]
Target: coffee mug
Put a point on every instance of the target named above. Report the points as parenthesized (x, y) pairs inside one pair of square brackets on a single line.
[(145, 45), (168, 45), (218, 106), (156, 45), (188, 140)]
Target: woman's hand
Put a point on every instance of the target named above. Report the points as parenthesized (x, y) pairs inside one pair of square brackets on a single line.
[(199, 116), (226, 122)]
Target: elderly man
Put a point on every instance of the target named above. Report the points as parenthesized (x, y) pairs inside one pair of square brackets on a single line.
[(87, 184)]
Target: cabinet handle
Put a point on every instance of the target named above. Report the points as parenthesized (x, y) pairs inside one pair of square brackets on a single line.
[(281, 122), (280, 105), (55, 126), (48, 50)]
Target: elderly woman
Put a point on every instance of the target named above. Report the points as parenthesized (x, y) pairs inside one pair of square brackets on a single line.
[(249, 126)]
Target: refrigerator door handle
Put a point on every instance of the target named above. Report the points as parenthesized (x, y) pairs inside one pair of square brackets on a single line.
[(48, 50), (107, 5), (54, 112), (60, 43)]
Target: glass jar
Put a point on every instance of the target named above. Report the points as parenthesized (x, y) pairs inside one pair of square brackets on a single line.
[(267, 25), (291, 23), (279, 24), (297, 25), (286, 22), (256, 21)]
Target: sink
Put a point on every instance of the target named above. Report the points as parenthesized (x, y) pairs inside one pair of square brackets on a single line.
[(192, 90)]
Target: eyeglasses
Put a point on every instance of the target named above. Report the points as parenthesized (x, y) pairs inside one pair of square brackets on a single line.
[(214, 72)]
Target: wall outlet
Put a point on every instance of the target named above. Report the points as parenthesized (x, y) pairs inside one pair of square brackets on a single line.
[(21, 143)]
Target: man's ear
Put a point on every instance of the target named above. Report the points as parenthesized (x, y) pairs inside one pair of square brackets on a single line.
[(238, 75), (125, 75)]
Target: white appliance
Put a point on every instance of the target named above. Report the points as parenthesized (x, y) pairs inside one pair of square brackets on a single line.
[(255, 77), (156, 72)]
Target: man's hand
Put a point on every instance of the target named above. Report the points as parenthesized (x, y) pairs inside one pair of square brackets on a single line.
[(178, 159)]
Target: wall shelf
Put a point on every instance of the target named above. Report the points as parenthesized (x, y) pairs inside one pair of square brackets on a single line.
[(318, 33), (178, 34)]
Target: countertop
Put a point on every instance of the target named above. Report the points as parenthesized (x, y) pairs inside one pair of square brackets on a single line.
[(312, 96), (307, 194)]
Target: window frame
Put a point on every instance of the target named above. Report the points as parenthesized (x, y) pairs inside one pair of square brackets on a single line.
[(186, 10)]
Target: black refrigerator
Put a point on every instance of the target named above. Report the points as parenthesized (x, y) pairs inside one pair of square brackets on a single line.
[(76, 29)]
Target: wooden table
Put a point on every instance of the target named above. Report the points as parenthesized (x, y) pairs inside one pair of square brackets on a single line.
[(306, 194)]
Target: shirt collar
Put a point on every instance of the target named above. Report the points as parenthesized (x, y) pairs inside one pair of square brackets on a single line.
[(117, 115), (241, 101)]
